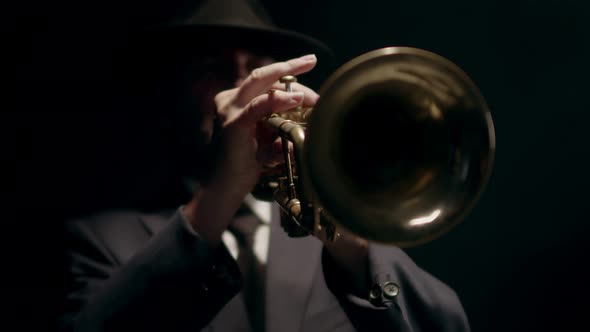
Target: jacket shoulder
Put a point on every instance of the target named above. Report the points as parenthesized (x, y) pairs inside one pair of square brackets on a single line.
[(112, 236)]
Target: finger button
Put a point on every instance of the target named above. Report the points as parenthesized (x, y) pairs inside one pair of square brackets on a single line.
[(287, 80)]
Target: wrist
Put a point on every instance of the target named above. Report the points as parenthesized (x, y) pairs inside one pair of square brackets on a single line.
[(207, 216)]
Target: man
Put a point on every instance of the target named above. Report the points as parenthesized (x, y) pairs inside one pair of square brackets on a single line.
[(180, 271)]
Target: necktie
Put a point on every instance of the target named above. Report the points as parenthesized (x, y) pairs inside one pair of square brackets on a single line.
[(244, 227)]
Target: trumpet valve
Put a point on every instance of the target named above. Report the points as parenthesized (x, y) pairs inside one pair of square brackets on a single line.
[(287, 80)]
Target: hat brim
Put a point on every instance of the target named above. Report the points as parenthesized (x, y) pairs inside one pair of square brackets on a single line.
[(181, 42), (194, 39)]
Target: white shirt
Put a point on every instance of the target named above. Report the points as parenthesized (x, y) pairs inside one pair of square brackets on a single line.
[(263, 211)]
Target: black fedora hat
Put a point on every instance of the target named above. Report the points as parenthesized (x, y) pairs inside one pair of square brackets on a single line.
[(210, 25)]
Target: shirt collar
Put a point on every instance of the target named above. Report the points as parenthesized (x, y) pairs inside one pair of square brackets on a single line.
[(262, 209)]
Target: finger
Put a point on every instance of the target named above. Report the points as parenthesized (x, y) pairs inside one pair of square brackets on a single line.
[(267, 104), (263, 78), (310, 96)]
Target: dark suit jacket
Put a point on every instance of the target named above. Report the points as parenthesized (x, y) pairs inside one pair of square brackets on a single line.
[(127, 271)]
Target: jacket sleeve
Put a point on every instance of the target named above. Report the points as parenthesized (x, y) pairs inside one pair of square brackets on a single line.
[(423, 303), (174, 283)]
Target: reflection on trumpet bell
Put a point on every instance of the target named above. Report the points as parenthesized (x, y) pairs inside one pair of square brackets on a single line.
[(398, 149)]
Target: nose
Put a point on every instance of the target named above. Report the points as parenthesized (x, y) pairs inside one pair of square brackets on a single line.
[(241, 75), (241, 67)]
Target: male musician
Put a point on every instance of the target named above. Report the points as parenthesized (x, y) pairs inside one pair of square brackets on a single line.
[(184, 271)]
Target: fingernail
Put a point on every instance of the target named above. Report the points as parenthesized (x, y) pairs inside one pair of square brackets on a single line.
[(296, 98), (308, 58)]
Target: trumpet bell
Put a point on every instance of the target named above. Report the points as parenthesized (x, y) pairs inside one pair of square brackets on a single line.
[(399, 147)]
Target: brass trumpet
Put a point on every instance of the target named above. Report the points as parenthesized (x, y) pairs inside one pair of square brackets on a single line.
[(397, 150)]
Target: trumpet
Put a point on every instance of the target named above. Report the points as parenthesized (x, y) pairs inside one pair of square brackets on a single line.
[(398, 150)]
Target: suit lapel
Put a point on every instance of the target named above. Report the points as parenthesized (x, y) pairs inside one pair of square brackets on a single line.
[(291, 267), (154, 223), (292, 264)]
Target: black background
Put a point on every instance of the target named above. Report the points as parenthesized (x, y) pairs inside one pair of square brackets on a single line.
[(518, 262)]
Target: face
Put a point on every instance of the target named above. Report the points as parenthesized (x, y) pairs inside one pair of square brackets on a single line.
[(203, 78)]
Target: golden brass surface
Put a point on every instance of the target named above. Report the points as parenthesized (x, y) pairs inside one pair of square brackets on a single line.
[(397, 150)]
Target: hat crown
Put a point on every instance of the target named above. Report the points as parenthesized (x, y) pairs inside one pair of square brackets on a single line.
[(211, 25), (239, 13)]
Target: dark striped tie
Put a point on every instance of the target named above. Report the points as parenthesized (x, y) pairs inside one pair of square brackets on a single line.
[(244, 227)]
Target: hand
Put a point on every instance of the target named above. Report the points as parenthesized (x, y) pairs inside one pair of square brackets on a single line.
[(246, 145)]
